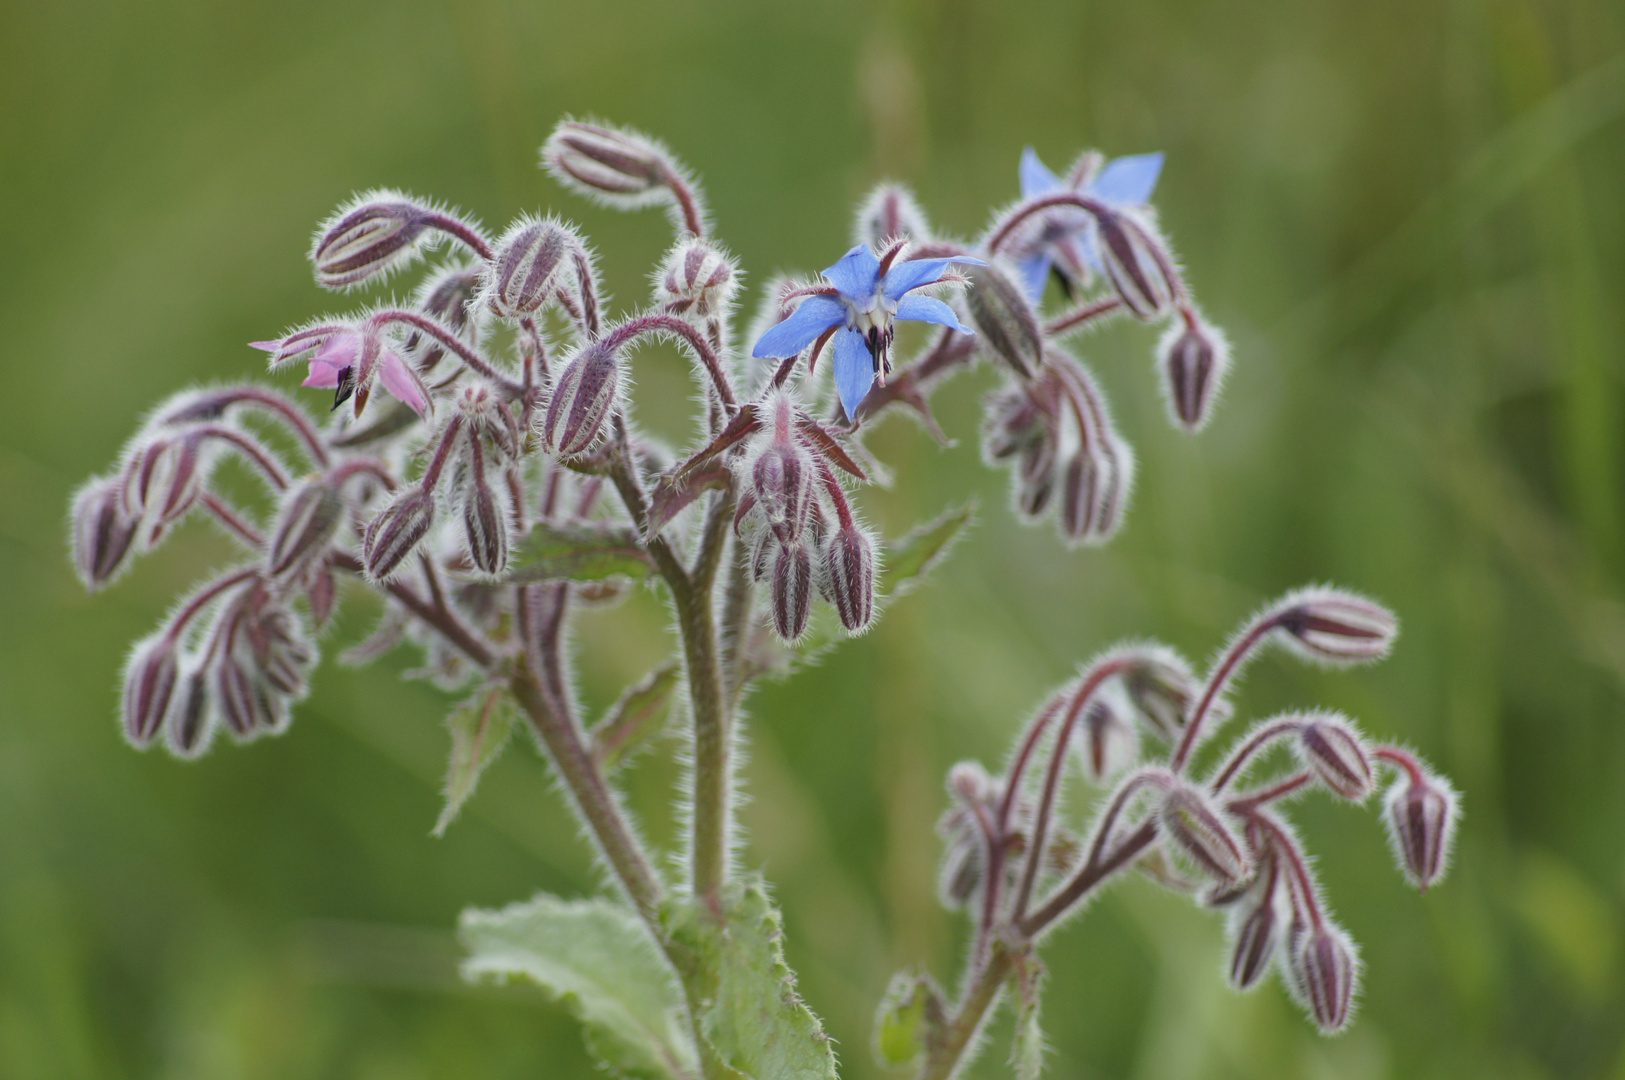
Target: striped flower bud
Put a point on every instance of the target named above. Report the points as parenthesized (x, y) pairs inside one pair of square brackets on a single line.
[(1421, 816), (1162, 689), (450, 297), (1006, 325), (1107, 741), (149, 687), (190, 719), (166, 480), (1325, 969), (485, 526), (307, 522), (792, 590), (103, 532), (526, 268), (1196, 827), (1035, 478), (1332, 750), (1331, 626), (782, 481), (396, 532), (246, 707), (1081, 483), (374, 234), (698, 281), (849, 574), (1256, 936), (615, 166), (583, 397), (1193, 358), (1135, 261)]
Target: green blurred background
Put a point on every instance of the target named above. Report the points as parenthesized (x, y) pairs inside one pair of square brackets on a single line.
[(1408, 216)]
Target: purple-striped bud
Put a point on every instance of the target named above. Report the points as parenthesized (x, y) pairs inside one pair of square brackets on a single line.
[(1333, 751), (1006, 325), (149, 686), (485, 524), (698, 281), (526, 268), (449, 297), (890, 213), (322, 593), (1196, 827), (849, 575), (792, 590), (613, 165), (1081, 484), (1421, 817), (1325, 969), (190, 716), (1331, 626), (583, 397), (373, 234), (103, 532), (166, 478), (309, 518), (1107, 741), (246, 708), (279, 651), (782, 481), (1162, 689), (1035, 478), (1257, 933), (1137, 262), (396, 532), (1193, 358)]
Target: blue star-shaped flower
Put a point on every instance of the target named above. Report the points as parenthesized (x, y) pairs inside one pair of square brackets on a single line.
[(867, 294), (1070, 239)]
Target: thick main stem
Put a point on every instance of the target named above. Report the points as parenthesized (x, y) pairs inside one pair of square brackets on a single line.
[(708, 698), (944, 1056)]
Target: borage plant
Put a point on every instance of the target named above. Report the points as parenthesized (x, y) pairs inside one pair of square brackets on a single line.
[(498, 484)]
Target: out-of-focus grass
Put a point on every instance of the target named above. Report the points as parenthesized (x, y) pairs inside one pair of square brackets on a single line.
[(1408, 217)]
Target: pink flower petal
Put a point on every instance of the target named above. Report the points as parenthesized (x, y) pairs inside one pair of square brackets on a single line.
[(322, 376), (339, 351), (399, 379), (265, 346)]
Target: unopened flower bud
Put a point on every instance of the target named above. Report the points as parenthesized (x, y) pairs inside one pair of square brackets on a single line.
[(1336, 627), (1194, 358), (396, 531), (969, 783), (1162, 689), (103, 532), (849, 571), (245, 706), (890, 213), (279, 651), (309, 518), (374, 234), (1324, 971), (1081, 482), (782, 481), (485, 522), (1006, 324), (1256, 936), (1332, 750), (1135, 261), (1421, 817), (792, 590), (149, 686), (1035, 478), (1201, 833), (1107, 743), (190, 715), (322, 593), (525, 270), (167, 479), (697, 281), (613, 165), (583, 395)]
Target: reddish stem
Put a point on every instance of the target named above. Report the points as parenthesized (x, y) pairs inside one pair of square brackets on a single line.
[(1252, 746), (1216, 683)]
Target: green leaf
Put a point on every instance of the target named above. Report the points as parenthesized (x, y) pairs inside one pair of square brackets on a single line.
[(753, 1018), (912, 557), (577, 552), (910, 1017), (636, 718), (598, 959), (479, 730), (1027, 1052)]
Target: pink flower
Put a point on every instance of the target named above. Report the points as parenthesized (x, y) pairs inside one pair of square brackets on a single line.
[(340, 363)]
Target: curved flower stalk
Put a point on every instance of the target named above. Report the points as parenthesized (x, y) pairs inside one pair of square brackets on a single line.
[(499, 484)]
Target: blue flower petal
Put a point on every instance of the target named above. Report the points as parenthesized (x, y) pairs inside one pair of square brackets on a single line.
[(1129, 180), (913, 273), (929, 309), (854, 275), (1089, 248), (854, 370), (815, 315), (1034, 276), (1036, 179)]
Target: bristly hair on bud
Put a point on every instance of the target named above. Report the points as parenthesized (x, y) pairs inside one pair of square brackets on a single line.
[(309, 518), (530, 260), (1138, 263), (623, 169), (1107, 742), (396, 531), (1421, 812), (374, 234), (585, 394), (1005, 321), (150, 676), (1193, 359), (697, 281), (103, 532), (1257, 924), (485, 519), (889, 213), (1324, 974), (1330, 746), (1198, 830), (1334, 627), (792, 590), (849, 576)]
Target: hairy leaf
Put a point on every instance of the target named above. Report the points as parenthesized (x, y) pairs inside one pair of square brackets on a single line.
[(910, 1017), (753, 1018), (636, 718), (598, 959), (912, 557), (577, 552), (479, 730)]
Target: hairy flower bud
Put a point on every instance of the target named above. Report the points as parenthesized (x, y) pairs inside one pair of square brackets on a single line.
[(526, 267), (166, 479), (782, 482), (1005, 321), (374, 234), (1335, 627), (1136, 262), (1193, 358), (1332, 750), (485, 523), (792, 590), (890, 213), (1162, 689), (1081, 484), (396, 531), (190, 716), (1107, 742), (1325, 969), (849, 572), (697, 281), (616, 166), (1256, 935), (1421, 815), (450, 297), (103, 532), (309, 518), (1196, 827), (583, 396), (246, 707), (149, 686), (1035, 478)]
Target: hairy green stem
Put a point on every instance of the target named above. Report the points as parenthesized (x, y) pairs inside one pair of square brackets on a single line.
[(696, 618), (947, 1052)]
